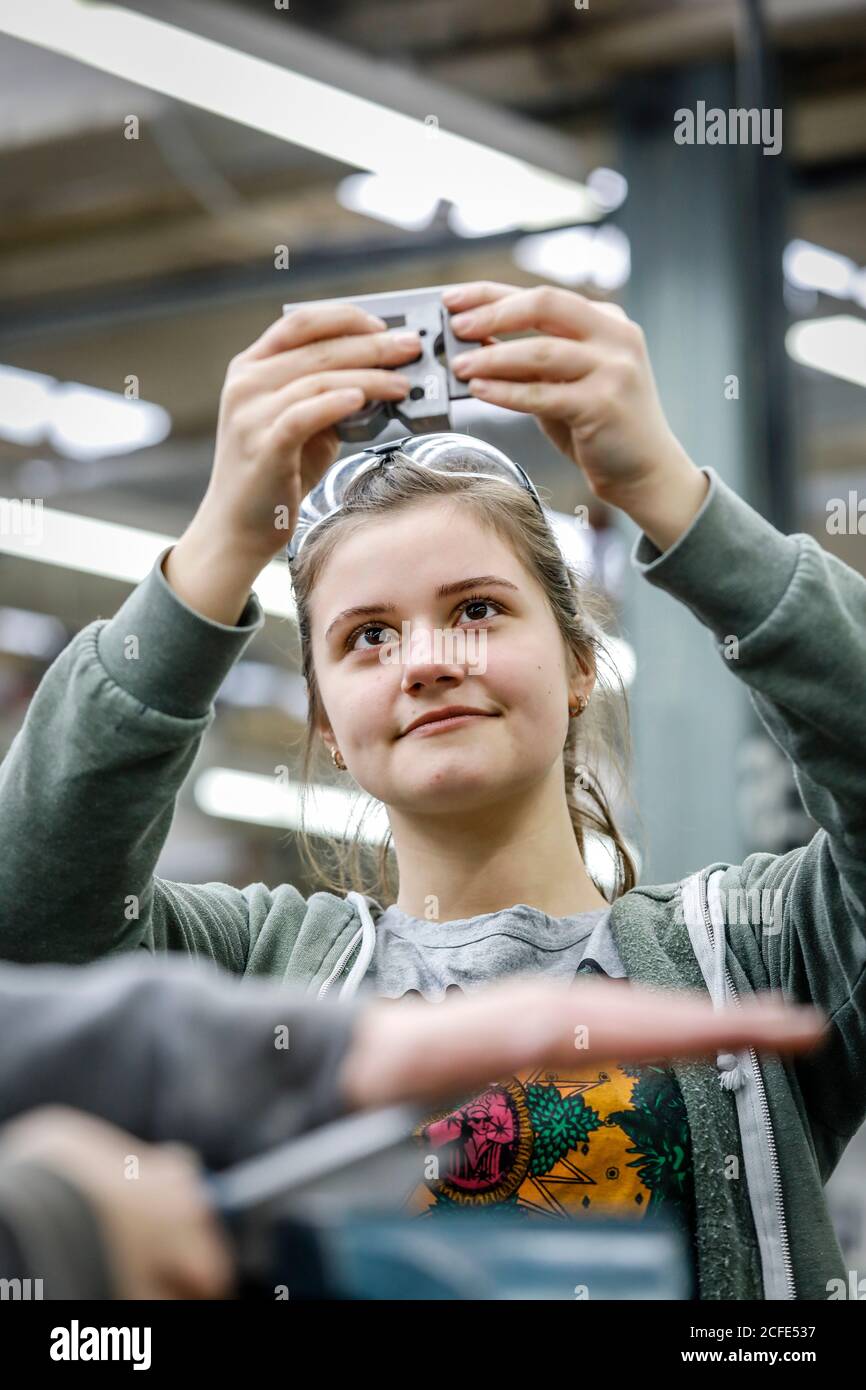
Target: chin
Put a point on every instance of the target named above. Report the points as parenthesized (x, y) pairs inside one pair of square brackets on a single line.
[(452, 785)]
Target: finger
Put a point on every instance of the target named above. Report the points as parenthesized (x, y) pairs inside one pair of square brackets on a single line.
[(376, 385), (358, 350), (528, 359), (547, 308), (670, 1025), (308, 324), (512, 1025), (554, 399), (615, 311), (305, 418), (681, 1025), (472, 292)]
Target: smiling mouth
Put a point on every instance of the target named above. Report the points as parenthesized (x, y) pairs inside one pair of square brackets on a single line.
[(433, 725)]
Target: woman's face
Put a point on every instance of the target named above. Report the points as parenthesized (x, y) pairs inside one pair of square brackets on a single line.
[(501, 654)]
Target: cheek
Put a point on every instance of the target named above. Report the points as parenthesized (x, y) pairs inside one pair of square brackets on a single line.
[(364, 707), (529, 679)]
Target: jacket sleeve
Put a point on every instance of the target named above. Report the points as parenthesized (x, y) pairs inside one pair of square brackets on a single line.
[(799, 616), (88, 788), (173, 1050)]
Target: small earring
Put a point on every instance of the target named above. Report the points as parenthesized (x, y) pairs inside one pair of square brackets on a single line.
[(581, 707), (337, 759)]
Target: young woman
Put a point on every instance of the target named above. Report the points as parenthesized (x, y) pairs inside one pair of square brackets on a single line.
[(487, 815)]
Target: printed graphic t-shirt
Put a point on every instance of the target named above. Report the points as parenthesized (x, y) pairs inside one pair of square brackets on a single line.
[(602, 1138)]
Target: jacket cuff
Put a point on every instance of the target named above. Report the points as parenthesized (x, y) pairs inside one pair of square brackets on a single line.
[(730, 566), (181, 657), (54, 1233)]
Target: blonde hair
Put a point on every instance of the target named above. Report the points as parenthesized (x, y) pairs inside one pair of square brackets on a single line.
[(580, 610)]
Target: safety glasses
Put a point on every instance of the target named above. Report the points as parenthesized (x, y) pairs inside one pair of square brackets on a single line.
[(442, 453)]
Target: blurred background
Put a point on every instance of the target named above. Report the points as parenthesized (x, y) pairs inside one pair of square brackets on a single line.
[(164, 190)]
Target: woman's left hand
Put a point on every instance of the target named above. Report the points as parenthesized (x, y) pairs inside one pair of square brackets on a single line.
[(585, 375)]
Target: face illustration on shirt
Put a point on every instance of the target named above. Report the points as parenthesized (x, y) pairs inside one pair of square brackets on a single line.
[(603, 1138), (476, 1141)]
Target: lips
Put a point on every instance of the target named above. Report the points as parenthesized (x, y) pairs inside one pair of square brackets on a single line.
[(446, 716)]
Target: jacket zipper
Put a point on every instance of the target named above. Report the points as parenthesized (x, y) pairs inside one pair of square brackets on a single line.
[(765, 1109), (326, 984)]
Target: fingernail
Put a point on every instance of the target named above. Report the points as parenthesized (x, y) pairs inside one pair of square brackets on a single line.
[(452, 296), (407, 339), (463, 321), (374, 318), (462, 359)]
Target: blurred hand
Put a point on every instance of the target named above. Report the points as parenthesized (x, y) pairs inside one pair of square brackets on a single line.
[(161, 1237), (406, 1050), (585, 374)]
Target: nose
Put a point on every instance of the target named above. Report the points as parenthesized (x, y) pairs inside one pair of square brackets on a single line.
[(429, 657)]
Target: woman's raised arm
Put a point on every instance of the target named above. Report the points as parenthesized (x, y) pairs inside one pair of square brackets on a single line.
[(88, 786), (797, 613)]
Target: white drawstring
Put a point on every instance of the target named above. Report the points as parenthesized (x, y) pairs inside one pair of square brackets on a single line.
[(368, 944)]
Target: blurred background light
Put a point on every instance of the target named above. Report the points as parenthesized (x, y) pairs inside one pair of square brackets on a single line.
[(398, 201), (269, 800), (608, 187), (23, 633), (598, 256), (811, 267), (316, 115), (836, 345), (107, 548), (79, 421)]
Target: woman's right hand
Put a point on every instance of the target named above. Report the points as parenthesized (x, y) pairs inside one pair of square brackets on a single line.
[(276, 438)]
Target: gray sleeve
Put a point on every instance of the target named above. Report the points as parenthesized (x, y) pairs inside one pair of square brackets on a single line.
[(799, 616), (93, 773), (51, 1245), (173, 1049)]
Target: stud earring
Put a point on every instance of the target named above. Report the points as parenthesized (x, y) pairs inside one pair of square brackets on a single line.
[(581, 707), (337, 759)]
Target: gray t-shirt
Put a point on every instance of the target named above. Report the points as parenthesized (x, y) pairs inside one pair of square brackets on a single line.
[(417, 956)]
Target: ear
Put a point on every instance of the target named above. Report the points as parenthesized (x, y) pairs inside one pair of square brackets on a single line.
[(326, 733), (581, 678)]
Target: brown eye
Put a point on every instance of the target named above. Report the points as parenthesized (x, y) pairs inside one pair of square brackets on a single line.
[(479, 601), (363, 632)]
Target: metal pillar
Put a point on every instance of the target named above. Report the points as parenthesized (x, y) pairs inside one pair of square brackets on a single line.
[(695, 259)]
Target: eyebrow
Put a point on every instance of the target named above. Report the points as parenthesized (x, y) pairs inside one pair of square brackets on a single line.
[(368, 610)]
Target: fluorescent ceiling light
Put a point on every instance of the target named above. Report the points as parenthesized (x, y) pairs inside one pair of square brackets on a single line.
[(609, 187), (258, 799), (289, 106), (79, 421), (485, 216), (834, 345), (25, 404), (31, 634), (812, 267), (398, 201), (266, 800), (599, 256), (92, 546)]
